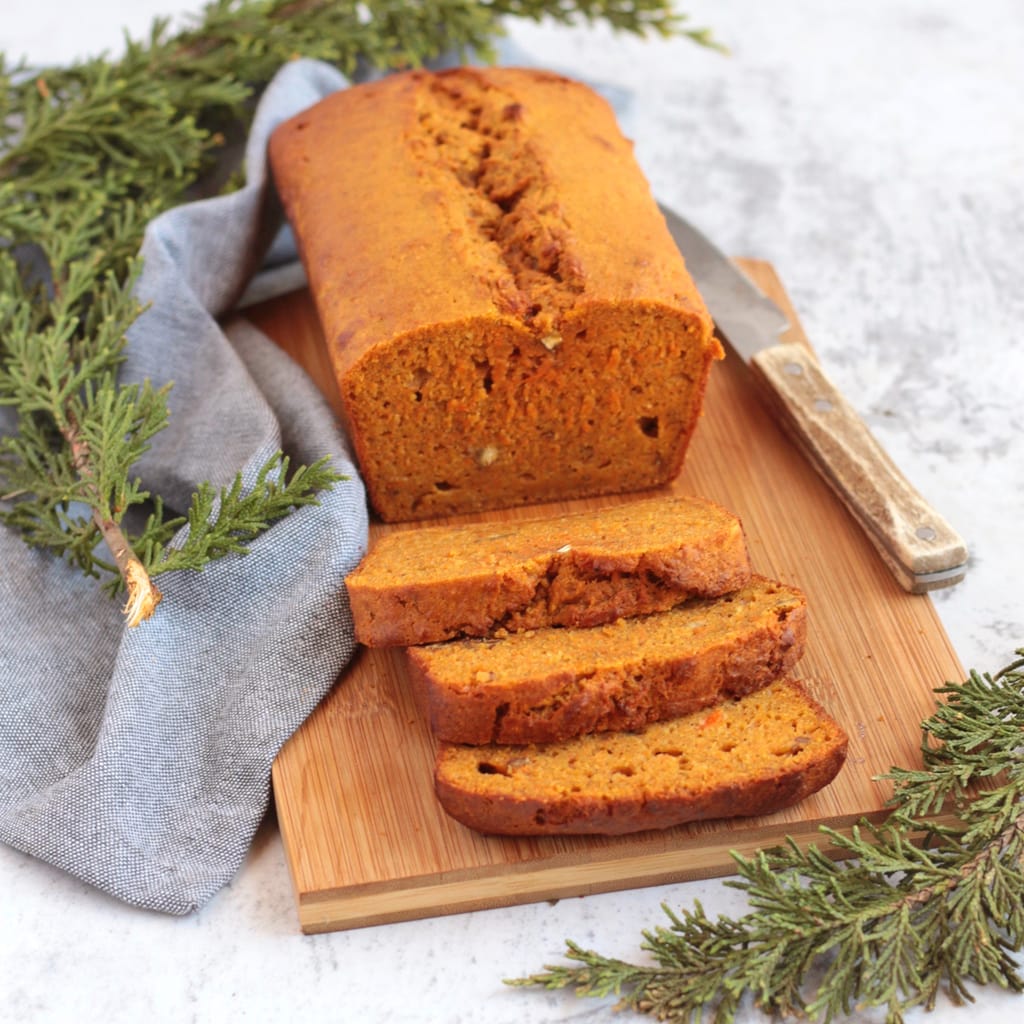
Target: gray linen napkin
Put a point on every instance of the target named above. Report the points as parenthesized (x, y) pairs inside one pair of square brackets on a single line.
[(139, 759)]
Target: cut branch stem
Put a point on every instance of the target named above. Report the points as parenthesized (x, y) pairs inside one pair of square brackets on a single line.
[(143, 594)]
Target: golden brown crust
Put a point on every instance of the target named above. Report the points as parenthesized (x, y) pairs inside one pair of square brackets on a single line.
[(581, 569), (507, 315), (551, 684), (743, 758)]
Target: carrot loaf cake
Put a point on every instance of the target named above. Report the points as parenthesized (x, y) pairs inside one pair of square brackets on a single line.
[(550, 684), (751, 756), (432, 583), (507, 316)]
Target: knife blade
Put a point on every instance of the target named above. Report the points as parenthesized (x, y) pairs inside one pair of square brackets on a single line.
[(918, 545)]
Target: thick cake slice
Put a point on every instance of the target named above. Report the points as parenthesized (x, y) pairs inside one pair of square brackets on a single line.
[(550, 684), (746, 757), (425, 585)]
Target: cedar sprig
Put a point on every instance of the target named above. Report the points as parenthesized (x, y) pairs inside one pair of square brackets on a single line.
[(888, 916), (88, 155), (222, 521)]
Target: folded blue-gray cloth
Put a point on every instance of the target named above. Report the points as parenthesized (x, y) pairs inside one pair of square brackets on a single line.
[(138, 759)]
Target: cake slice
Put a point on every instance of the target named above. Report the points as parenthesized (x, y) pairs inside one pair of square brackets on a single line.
[(751, 756), (549, 684), (419, 586)]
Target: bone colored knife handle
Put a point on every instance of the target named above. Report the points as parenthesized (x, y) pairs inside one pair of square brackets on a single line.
[(923, 551)]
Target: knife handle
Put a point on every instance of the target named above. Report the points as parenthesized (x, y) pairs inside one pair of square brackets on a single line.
[(923, 551)]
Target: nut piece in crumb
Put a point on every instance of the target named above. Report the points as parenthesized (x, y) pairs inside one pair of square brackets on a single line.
[(487, 456), (551, 341)]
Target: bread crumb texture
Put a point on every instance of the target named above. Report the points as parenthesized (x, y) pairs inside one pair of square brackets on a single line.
[(748, 756), (506, 313)]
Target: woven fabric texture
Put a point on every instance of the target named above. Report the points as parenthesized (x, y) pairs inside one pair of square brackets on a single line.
[(139, 759)]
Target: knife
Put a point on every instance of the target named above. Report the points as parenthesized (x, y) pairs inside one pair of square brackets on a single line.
[(920, 548)]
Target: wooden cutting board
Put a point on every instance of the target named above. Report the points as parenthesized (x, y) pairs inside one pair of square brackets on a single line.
[(367, 842)]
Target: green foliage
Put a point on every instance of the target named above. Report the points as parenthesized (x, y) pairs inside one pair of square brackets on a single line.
[(888, 916), (88, 155), (220, 522)]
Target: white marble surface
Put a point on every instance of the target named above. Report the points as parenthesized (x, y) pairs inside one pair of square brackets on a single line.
[(874, 152)]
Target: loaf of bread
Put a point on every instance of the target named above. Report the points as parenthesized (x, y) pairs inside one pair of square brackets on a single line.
[(747, 757), (550, 684), (432, 583), (508, 319)]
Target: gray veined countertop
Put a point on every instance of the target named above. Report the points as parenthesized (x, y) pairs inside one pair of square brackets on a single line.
[(874, 154)]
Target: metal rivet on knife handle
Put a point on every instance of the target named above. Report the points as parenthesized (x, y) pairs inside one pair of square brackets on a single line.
[(920, 547)]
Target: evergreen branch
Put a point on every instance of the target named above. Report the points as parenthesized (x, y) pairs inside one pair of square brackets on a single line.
[(89, 153), (221, 523), (876, 918)]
